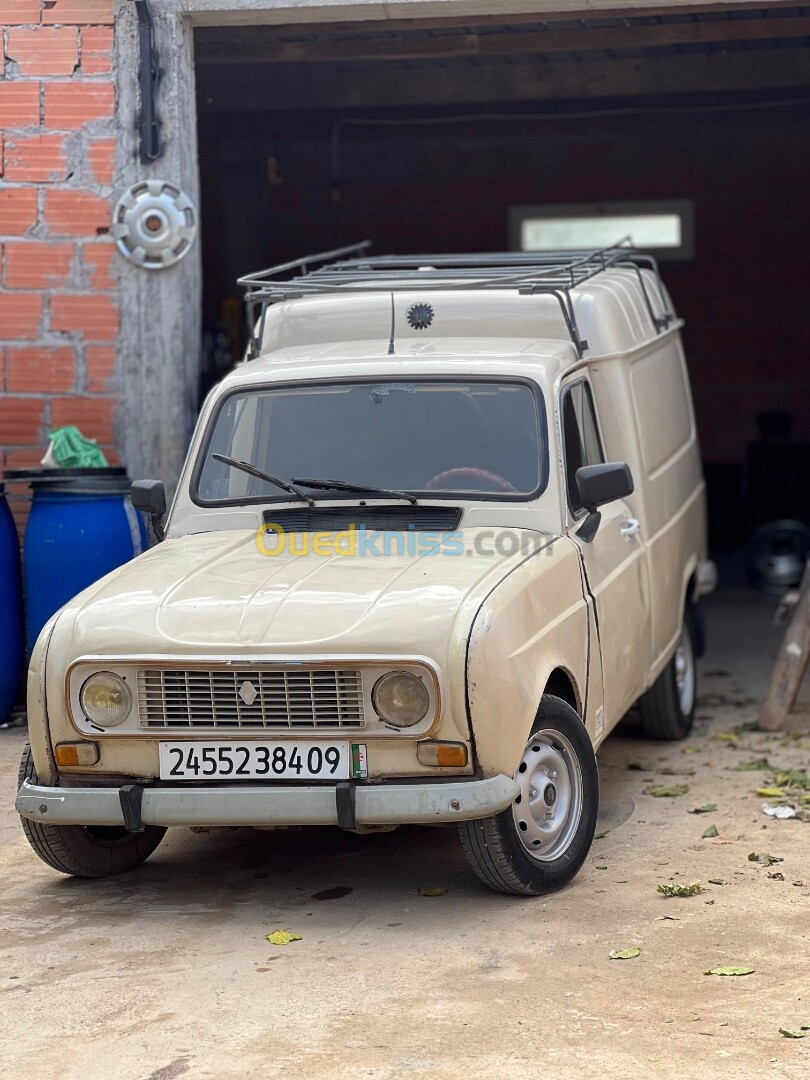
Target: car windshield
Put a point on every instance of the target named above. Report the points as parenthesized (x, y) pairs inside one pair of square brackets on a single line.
[(425, 437)]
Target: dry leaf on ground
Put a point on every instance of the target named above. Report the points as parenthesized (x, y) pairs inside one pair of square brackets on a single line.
[(722, 970), (673, 888), (283, 937), (665, 791), (763, 858)]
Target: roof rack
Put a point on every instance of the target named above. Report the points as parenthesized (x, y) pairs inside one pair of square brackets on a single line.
[(553, 273)]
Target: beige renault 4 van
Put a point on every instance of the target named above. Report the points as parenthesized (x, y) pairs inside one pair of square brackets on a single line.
[(431, 542)]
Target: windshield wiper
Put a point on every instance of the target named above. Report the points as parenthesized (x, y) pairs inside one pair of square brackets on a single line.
[(344, 485), (245, 466)]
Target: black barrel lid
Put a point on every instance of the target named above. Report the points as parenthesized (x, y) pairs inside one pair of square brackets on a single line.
[(110, 480), (43, 474)]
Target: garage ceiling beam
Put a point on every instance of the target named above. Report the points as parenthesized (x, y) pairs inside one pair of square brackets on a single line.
[(307, 16), (255, 89), (260, 48)]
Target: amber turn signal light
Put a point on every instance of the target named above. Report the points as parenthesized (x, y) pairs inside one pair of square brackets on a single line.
[(446, 755), (76, 753)]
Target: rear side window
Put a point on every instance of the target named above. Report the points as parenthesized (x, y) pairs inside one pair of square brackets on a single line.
[(581, 442)]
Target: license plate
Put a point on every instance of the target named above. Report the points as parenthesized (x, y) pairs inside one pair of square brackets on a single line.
[(272, 760)]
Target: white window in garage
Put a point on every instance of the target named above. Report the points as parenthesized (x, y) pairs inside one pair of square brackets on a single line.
[(665, 228)]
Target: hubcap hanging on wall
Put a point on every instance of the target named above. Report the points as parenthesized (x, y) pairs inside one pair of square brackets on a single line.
[(154, 224)]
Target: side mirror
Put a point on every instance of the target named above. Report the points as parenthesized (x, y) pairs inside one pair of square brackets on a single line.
[(149, 496), (600, 484)]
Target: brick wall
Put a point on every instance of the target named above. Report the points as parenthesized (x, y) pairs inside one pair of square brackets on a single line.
[(58, 292)]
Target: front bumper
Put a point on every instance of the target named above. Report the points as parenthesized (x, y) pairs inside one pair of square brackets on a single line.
[(373, 804)]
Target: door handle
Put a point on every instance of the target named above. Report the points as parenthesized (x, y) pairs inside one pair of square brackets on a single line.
[(630, 527)]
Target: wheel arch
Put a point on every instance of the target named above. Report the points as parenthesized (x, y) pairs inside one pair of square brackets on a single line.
[(561, 684), (691, 603)]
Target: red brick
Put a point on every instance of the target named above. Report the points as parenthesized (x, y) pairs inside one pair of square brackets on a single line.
[(32, 264), (47, 50), (38, 369), (101, 155), (74, 104), (18, 210), (20, 314), (19, 103), (97, 43), (99, 258), (93, 416), (75, 213), (35, 158), (21, 421), (24, 459), (78, 11), (99, 367), (25, 12), (92, 314)]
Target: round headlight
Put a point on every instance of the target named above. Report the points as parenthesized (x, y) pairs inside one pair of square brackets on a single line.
[(105, 699), (400, 699)]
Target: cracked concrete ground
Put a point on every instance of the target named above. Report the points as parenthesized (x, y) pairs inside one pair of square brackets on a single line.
[(165, 972)]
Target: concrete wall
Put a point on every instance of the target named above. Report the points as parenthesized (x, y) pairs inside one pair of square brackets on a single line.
[(160, 319)]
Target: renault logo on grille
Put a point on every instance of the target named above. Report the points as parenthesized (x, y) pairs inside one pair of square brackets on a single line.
[(248, 692)]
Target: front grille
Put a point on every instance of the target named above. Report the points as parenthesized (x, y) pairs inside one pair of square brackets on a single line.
[(275, 699)]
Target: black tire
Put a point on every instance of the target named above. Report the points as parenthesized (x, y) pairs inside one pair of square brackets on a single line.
[(664, 713), (86, 851), (493, 846)]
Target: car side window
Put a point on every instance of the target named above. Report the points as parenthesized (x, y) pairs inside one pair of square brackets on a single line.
[(581, 442)]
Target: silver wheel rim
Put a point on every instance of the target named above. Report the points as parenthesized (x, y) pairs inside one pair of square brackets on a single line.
[(685, 672), (549, 807)]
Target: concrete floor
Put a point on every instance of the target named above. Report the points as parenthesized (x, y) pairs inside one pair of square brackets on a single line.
[(166, 972)]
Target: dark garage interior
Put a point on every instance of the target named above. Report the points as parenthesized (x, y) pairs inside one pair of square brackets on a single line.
[(422, 135)]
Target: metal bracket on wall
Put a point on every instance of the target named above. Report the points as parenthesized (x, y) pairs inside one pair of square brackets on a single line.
[(148, 79)]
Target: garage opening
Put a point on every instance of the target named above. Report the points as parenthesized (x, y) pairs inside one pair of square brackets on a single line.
[(447, 136)]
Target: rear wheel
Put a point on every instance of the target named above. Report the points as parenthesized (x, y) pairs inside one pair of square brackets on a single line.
[(88, 851), (540, 842), (668, 707)]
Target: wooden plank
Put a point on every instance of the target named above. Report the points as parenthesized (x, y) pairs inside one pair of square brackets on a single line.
[(261, 48), (291, 87), (378, 17), (791, 663)]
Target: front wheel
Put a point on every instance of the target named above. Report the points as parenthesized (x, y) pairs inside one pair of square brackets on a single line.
[(540, 842), (668, 708), (87, 851)]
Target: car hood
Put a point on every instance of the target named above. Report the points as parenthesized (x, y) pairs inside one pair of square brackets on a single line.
[(215, 592)]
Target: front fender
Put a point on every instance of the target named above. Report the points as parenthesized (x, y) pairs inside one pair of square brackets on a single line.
[(38, 732), (533, 621)]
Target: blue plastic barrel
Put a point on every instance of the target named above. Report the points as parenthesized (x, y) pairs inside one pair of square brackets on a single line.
[(82, 525), (12, 653)]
